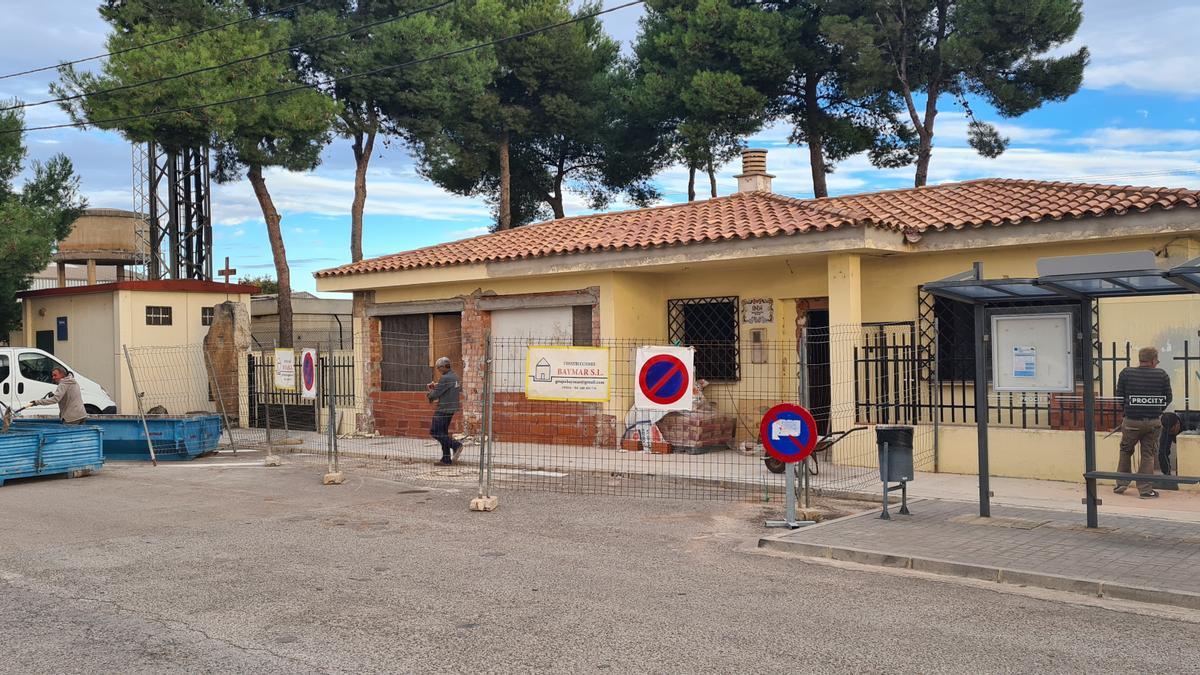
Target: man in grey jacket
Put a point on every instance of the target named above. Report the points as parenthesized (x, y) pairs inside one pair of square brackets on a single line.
[(1144, 393), (67, 396), (446, 391)]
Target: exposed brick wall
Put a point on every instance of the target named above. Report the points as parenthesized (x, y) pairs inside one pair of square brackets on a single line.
[(406, 413), (515, 419), (476, 327)]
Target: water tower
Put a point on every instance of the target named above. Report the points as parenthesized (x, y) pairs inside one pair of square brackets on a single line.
[(107, 237)]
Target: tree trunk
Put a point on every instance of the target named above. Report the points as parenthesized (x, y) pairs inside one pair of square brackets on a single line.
[(556, 203), (932, 91), (363, 145), (691, 183), (712, 179), (275, 236), (505, 184), (813, 134)]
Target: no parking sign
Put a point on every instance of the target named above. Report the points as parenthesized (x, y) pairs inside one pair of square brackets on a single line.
[(664, 378)]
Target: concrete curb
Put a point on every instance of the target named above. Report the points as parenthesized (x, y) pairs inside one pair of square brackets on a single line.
[(1001, 575)]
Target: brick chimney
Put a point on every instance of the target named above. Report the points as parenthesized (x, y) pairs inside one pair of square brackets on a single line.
[(754, 176)]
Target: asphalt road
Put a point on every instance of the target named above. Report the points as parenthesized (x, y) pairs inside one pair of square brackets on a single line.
[(216, 568)]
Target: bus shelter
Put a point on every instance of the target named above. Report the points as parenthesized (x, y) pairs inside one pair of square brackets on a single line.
[(1074, 279)]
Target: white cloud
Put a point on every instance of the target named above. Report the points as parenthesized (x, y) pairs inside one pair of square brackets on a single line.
[(1150, 46), (1117, 137)]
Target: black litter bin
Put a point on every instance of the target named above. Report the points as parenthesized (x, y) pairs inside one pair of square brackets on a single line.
[(897, 442)]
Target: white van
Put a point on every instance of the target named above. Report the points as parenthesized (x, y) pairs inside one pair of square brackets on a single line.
[(25, 377)]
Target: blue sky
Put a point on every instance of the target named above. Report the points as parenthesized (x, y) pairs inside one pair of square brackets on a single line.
[(1137, 120)]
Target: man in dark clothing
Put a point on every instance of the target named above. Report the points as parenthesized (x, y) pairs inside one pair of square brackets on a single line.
[(446, 392), (1144, 392)]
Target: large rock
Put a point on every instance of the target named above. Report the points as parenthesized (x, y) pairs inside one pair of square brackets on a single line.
[(226, 346)]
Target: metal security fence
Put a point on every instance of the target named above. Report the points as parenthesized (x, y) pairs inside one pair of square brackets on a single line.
[(269, 405)]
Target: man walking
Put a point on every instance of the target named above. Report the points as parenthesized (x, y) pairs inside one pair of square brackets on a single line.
[(1144, 392), (67, 396), (446, 392)]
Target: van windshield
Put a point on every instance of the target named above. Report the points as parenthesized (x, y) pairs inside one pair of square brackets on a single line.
[(37, 367)]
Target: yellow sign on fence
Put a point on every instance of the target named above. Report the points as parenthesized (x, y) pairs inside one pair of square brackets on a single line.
[(567, 374)]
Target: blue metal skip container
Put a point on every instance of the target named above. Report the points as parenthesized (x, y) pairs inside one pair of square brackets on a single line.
[(175, 437), (45, 450)]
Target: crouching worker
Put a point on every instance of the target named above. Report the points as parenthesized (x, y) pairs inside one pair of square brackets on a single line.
[(67, 396), (446, 393)]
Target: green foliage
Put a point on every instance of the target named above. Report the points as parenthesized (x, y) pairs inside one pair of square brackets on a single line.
[(708, 71), (561, 98), (32, 218), (257, 132), (267, 284), (998, 50)]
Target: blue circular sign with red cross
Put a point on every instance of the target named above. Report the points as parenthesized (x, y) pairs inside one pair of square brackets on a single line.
[(308, 372), (788, 432), (664, 379)]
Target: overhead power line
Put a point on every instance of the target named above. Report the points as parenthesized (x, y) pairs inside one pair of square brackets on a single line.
[(157, 42), (333, 80), (245, 59)]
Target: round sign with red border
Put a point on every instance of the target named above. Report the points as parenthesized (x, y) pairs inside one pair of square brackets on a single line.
[(788, 432), (308, 372), (664, 379)]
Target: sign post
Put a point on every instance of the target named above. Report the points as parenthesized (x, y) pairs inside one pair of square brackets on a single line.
[(789, 434)]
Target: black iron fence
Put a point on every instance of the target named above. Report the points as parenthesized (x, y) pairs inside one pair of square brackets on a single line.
[(271, 405)]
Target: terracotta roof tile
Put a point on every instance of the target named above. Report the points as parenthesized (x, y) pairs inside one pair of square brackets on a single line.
[(954, 206), (739, 216)]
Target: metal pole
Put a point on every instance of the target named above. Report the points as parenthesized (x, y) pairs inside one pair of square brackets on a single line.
[(981, 411), (212, 374), (331, 447), (490, 387), (936, 376), (884, 471), (137, 395), (1089, 412)]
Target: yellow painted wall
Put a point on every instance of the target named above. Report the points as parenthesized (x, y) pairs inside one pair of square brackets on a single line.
[(1042, 453), (90, 333), (890, 283)]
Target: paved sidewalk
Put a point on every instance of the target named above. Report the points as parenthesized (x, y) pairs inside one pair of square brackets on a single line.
[(1146, 559)]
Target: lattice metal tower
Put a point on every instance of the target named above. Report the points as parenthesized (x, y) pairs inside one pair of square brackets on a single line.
[(172, 194)]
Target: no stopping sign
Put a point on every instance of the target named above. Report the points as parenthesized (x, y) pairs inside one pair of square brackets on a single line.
[(788, 432)]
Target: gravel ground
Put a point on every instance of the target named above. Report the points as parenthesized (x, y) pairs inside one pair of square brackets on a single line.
[(222, 565)]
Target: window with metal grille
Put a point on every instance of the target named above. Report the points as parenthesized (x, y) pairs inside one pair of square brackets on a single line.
[(710, 325), (158, 316), (206, 316)]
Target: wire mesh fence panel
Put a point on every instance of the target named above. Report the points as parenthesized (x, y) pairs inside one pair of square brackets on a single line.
[(400, 442), (186, 379), (709, 451)]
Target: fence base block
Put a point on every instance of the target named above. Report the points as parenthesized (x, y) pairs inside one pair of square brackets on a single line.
[(272, 460), (334, 478), (484, 504)]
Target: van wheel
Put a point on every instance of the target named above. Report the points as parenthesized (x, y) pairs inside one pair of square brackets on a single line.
[(91, 409)]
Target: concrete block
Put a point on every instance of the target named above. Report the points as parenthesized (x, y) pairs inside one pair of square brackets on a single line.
[(484, 504), (272, 460), (333, 478), (864, 557), (1155, 596), (795, 547), (955, 569), (1052, 582)]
